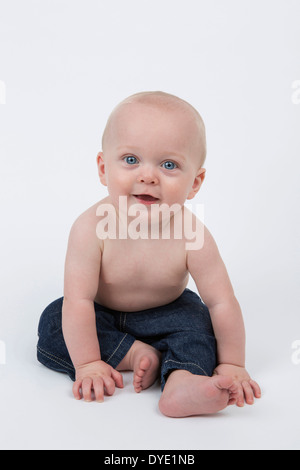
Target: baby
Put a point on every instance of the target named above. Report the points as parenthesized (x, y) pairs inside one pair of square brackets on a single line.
[(126, 305)]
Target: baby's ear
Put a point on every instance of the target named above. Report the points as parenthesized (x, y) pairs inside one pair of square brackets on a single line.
[(197, 183), (101, 168)]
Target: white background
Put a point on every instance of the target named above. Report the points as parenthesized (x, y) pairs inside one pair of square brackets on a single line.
[(65, 65)]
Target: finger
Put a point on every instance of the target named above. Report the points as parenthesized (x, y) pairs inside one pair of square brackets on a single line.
[(224, 382), (110, 386), (234, 388), (86, 388), (256, 388), (118, 378), (98, 386), (76, 390), (240, 395), (234, 395), (232, 401), (248, 392)]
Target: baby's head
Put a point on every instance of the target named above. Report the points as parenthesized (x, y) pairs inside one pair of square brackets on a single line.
[(153, 150)]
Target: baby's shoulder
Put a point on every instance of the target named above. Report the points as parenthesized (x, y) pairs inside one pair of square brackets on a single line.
[(89, 216), (84, 227)]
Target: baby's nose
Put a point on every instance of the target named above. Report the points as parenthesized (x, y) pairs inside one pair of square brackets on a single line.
[(147, 177), (146, 180)]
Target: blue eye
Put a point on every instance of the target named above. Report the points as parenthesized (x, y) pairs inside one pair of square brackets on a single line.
[(169, 165), (130, 160)]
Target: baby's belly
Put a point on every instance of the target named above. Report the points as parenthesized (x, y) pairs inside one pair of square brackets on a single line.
[(138, 297)]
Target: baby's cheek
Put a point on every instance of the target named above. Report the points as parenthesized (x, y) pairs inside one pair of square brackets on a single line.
[(118, 186), (176, 195)]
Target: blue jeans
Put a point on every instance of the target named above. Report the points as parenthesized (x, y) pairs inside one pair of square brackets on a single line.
[(181, 330)]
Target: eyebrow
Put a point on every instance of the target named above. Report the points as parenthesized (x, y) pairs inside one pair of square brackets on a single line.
[(175, 155), (136, 150)]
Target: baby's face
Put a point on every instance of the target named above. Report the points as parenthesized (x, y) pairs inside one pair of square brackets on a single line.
[(152, 155)]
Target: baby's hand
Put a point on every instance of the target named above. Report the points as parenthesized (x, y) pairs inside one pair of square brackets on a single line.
[(247, 388), (96, 377)]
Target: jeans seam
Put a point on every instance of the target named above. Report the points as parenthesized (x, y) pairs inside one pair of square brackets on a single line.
[(114, 352), (54, 358), (187, 363)]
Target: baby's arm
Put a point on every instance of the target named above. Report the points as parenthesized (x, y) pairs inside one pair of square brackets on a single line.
[(210, 275), (82, 269)]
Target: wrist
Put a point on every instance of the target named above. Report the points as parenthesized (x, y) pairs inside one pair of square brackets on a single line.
[(242, 365), (235, 357), (83, 365)]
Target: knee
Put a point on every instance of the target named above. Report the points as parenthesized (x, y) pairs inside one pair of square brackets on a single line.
[(51, 318)]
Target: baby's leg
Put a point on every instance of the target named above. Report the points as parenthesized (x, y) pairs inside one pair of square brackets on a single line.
[(186, 394), (144, 360)]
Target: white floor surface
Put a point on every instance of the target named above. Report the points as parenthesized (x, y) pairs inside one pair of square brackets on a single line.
[(38, 411)]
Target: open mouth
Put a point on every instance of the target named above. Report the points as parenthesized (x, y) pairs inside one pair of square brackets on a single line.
[(146, 198)]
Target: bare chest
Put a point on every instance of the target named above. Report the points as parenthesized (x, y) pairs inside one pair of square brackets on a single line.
[(142, 272), (143, 261)]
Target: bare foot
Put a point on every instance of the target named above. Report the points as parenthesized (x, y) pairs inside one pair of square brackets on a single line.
[(146, 371), (144, 360), (186, 394)]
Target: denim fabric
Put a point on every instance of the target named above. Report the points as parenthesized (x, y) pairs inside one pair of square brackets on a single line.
[(181, 330)]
